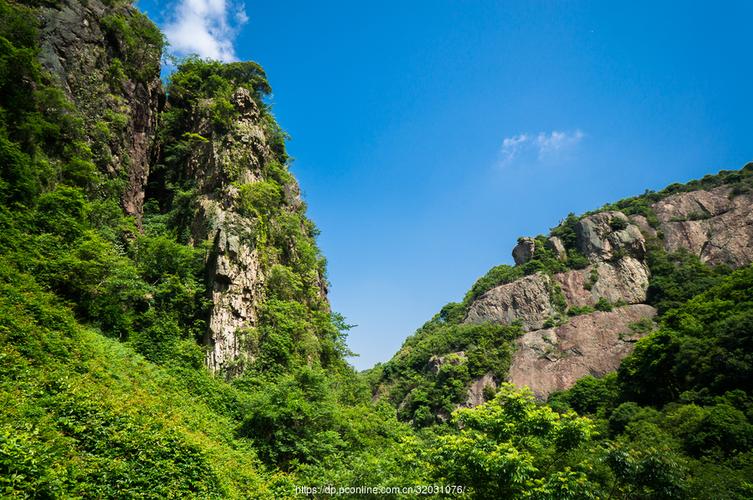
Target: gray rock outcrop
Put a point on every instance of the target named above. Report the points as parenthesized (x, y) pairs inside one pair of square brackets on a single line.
[(555, 244), (592, 343), (716, 225), (617, 273), (606, 235), (527, 300), (554, 359)]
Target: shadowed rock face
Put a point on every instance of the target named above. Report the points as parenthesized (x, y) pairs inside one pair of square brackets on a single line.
[(592, 344), (712, 224), (78, 51), (523, 251)]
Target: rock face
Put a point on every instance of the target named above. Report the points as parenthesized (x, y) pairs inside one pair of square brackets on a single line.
[(527, 300), (552, 359), (555, 245), (477, 388), (224, 173), (592, 344), (617, 273), (605, 235), (237, 266), (716, 225), (81, 47)]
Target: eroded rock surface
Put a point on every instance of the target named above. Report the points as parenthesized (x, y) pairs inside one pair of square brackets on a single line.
[(527, 300), (716, 225), (596, 342), (608, 235), (127, 106), (554, 359)]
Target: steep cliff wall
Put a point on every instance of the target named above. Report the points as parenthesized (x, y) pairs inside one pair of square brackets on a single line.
[(223, 178), (203, 160), (106, 57)]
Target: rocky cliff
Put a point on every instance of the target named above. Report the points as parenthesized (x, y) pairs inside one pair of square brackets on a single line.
[(203, 160), (558, 348), (106, 57), (576, 301), (223, 175)]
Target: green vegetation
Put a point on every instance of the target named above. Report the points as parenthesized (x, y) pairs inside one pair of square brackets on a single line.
[(140, 44), (685, 394), (429, 376), (102, 378)]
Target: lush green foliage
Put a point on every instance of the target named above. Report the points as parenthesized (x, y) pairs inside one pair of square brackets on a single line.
[(429, 376), (685, 391), (140, 44), (101, 365)]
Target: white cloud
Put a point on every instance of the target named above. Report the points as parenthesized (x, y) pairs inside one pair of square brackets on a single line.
[(206, 28), (556, 141), (511, 146), (544, 146)]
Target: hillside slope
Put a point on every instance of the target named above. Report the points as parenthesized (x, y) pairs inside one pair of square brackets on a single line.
[(576, 301)]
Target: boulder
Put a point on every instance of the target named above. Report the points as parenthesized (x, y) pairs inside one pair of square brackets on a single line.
[(524, 250)]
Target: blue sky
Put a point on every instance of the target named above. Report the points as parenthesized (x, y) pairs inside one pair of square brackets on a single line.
[(429, 135)]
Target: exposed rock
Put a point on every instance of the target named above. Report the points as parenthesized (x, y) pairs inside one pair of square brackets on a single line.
[(555, 244), (77, 51), (237, 287), (694, 205), (524, 250), (625, 280), (555, 358), (643, 225), (605, 235), (236, 270), (477, 388), (526, 300), (711, 224)]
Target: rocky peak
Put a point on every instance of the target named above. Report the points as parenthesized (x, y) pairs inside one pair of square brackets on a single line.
[(715, 224), (249, 214)]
